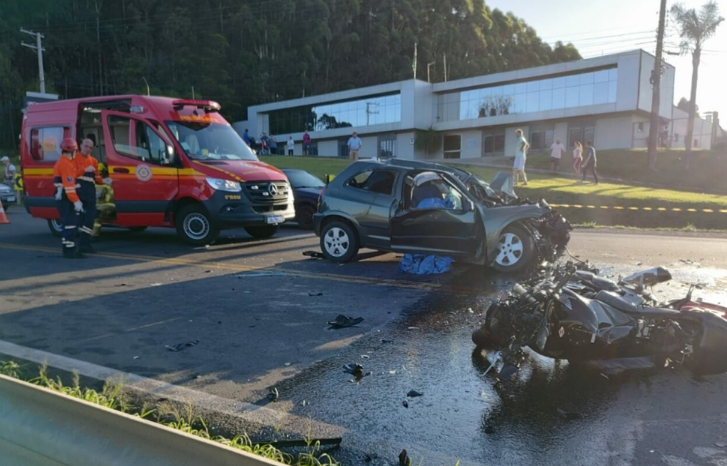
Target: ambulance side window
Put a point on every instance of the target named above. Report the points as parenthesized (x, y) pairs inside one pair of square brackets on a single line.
[(45, 142), (136, 139)]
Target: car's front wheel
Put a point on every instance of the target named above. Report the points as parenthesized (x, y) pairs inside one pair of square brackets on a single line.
[(339, 242), (195, 227), (515, 249)]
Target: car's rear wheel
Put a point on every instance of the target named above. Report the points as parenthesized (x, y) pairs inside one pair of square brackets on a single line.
[(304, 216), (195, 227), (56, 227), (339, 242), (516, 249), (262, 232)]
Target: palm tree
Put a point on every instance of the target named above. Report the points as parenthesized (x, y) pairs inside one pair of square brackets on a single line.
[(694, 29)]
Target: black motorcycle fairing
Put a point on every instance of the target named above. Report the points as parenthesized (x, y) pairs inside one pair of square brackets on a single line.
[(709, 348)]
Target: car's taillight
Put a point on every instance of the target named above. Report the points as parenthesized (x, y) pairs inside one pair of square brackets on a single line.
[(320, 196)]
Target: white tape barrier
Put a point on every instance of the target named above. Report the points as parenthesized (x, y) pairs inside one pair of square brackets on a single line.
[(39, 427)]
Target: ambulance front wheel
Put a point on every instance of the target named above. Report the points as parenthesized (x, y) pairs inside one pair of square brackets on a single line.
[(195, 227), (56, 227)]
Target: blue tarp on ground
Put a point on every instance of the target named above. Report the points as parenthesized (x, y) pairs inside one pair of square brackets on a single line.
[(420, 264)]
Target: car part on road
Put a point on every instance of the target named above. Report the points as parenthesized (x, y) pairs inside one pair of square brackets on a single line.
[(314, 254), (181, 346), (342, 321), (339, 242), (194, 225)]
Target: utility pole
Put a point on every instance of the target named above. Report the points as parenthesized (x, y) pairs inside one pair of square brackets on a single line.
[(655, 124), (39, 50)]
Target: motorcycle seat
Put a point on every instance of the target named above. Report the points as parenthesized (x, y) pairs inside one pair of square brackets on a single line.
[(617, 302)]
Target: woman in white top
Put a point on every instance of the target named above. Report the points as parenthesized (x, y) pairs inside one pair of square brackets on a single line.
[(521, 149), (577, 157)]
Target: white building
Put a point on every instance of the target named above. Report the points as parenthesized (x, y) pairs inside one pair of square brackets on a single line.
[(606, 100)]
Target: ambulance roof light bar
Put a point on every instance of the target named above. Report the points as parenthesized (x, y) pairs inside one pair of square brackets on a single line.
[(208, 105)]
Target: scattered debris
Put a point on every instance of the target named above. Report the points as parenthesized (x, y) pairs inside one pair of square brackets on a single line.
[(639, 263), (392, 372), (261, 274), (315, 293), (304, 403), (568, 415), (404, 459), (136, 357), (364, 356), (406, 404), (720, 444), (121, 284), (369, 458), (414, 394), (273, 395), (314, 254), (156, 284), (353, 369), (386, 341), (287, 364), (181, 346), (342, 321), (412, 328)]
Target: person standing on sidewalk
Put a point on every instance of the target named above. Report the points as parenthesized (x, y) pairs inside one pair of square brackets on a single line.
[(590, 162), (291, 146), (354, 145), (521, 150), (306, 143)]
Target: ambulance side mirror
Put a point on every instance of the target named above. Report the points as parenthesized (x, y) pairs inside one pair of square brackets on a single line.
[(171, 156)]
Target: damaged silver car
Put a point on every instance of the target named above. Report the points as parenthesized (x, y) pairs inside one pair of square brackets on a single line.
[(425, 208)]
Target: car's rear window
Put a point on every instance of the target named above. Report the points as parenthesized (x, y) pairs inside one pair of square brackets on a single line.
[(378, 181)]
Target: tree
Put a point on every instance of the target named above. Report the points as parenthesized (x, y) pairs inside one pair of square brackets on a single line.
[(684, 105), (695, 28)]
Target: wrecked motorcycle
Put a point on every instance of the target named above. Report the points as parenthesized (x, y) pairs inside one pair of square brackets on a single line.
[(578, 316)]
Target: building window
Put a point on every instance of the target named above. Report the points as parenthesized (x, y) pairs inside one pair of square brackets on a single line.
[(452, 146), (387, 146), (577, 90), (373, 110), (45, 143), (343, 147)]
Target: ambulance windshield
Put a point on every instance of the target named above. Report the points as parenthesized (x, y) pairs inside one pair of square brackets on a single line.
[(210, 141)]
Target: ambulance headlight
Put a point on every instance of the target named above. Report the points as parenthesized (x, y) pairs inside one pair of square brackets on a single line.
[(224, 185)]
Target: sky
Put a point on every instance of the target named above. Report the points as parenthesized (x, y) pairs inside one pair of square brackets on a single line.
[(603, 27)]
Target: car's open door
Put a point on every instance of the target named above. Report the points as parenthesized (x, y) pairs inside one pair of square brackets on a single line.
[(443, 231)]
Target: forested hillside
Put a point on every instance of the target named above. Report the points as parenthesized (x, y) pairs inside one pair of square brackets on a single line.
[(242, 52)]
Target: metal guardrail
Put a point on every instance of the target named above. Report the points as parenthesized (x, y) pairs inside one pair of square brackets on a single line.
[(39, 427)]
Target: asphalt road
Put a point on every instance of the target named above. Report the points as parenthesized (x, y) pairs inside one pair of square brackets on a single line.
[(251, 315)]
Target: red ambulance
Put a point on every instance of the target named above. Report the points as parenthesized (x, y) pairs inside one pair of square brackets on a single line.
[(174, 163)]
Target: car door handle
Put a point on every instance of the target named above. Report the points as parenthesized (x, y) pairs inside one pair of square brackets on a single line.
[(121, 170)]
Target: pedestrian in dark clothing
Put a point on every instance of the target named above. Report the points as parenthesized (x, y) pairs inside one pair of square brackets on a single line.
[(590, 162)]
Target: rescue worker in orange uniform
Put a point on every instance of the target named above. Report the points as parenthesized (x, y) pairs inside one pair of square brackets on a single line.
[(69, 204), (87, 176)]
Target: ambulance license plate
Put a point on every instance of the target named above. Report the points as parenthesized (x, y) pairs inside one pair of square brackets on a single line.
[(274, 219)]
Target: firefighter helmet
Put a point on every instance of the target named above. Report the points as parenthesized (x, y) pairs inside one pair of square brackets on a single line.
[(69, 145)]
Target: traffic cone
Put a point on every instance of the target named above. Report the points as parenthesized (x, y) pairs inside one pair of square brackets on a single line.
[(3, 217)]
